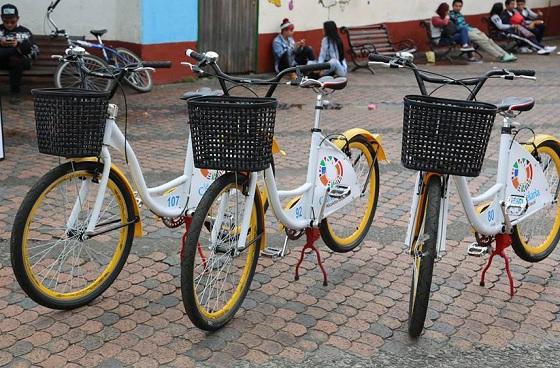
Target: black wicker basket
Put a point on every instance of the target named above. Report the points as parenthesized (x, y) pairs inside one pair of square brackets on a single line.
[(70, 122), (446, 136), (232, 133)]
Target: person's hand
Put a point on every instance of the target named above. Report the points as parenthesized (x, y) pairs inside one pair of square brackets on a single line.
[(8, 43), (538, 22), (446, 17), (540, 13)]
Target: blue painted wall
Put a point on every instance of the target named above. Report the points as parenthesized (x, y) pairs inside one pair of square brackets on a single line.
[(169, 21)]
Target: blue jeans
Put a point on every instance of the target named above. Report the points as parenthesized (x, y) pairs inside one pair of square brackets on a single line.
[(462, 36)]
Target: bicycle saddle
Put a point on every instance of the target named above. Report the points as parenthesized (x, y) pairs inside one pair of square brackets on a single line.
[(516, 104), (98, 32), (326, 82), (204, 91)]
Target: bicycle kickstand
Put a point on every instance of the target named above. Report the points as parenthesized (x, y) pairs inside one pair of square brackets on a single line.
[(502, 242), (312, 235)]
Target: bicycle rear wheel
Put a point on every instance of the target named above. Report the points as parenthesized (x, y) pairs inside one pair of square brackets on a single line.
[(215, 273), (344, 230), (140, 81), (424, 258), (535, 238), (52, 261), (69, 75)]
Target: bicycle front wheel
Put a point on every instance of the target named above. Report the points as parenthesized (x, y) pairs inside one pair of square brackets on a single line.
[(53, 262), (215, 272), (345, 229), (424, 256), (535, 238), (69, 75), (140, 81)]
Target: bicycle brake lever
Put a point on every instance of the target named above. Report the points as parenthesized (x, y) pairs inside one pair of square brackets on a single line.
[(57, 57), (186, 63)]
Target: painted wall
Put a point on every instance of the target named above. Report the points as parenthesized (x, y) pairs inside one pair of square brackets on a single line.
[(309, 14), (169, 21), (120, 17)]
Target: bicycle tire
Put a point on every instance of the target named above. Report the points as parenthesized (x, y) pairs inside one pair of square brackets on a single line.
[(65, 77), (197, 308), (521, 242), (141, 81), (342, 244), (25, 227), (420, 290)]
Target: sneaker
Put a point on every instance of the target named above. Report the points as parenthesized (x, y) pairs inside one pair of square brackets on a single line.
[(507, 58), (467, 48), (543, 52), (525, 50), (550, 48)]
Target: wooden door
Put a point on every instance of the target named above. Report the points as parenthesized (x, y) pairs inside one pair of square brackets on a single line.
[(229, 27)]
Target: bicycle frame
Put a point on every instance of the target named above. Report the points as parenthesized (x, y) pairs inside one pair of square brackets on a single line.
[(315, 202), (504, 204)]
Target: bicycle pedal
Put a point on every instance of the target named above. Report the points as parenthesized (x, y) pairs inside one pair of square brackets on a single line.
[(339, 192), (272, 252), (476, 250)]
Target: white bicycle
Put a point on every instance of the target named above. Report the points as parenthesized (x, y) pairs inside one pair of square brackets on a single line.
[(74, 229), (443, 138), (337, 201)]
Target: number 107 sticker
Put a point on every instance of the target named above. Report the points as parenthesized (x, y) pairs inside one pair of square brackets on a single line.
[(173, 201)]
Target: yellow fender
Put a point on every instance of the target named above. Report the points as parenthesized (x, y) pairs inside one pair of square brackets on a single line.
[(276, 147), (540, 138), (375, 139), (120, 174)]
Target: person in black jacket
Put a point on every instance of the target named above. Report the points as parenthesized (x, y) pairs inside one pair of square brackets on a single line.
[(16, 48)]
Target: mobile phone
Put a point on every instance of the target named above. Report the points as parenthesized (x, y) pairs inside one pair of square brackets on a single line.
[(10, 38)]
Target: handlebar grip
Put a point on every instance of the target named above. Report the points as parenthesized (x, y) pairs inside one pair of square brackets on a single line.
[(524, 72), (314, 67), (379, 58), (195, 55), (52, 6), (157, 64)]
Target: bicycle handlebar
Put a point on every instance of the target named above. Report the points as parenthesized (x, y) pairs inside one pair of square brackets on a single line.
[(423, 76), (210, 58), (157, 64), (52, 6)]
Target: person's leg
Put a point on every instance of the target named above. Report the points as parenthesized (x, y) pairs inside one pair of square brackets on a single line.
[(284, 61), (17, 64), (532, 40), (303, 55), (539, 32), (486, 44), (462, 37)]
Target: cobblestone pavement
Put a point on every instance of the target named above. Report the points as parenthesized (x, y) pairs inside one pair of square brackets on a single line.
[(358, 319)]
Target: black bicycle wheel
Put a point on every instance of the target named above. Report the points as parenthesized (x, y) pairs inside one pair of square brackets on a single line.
[(424, 257)]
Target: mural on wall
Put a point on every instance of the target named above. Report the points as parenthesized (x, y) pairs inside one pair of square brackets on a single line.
[(278, 3)]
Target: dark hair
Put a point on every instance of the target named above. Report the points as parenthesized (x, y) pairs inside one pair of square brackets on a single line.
[(457, 1), (507, 2), (497, 8), (331, 32), (442, 9)]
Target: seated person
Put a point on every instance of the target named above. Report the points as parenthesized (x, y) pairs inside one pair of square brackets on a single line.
[(288, 53), (477, 36), (446, 32), (533, 20), (16, 48), (508, 20), (332, 50)]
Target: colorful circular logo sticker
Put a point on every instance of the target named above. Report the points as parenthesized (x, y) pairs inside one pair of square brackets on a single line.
[(209, 174), (330, 171), (522, 175)]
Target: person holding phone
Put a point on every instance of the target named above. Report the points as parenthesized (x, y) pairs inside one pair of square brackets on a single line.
[(16, 48), (287, 52)]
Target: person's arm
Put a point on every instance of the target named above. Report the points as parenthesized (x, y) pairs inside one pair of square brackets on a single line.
[(499, 23), (437, 21), (531, 14), (323, 52), (277, 47)]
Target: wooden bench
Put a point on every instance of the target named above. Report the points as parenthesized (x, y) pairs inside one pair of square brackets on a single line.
[(500, 38), (44, 66), (373, 39), (451, 52)]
